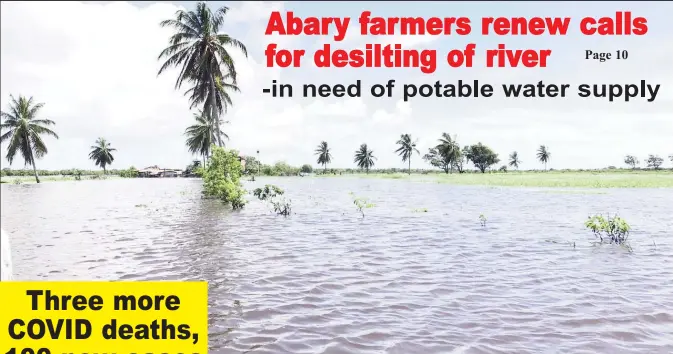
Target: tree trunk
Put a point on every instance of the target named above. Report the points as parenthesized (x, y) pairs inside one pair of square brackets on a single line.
[(104, 171), (37, 178), (213, 111), (409, 166)]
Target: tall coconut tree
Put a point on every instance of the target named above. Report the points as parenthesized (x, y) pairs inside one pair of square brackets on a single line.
[(406, 149), (203, 134), (543, 155), (22, 129), (200, 51), (364, 157), (101, 154), (324, 155), (514, 160)]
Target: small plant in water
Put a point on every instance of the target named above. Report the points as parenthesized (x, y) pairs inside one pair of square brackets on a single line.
[(482, 220), (420, 210), (271, 193), (609, 229), (282, 207), (361, 203), (268, 192)]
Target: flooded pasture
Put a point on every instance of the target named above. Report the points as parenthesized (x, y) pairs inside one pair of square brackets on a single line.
[(418, 274)]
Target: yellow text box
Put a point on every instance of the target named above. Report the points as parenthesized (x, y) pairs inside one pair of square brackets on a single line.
[(104, 317)]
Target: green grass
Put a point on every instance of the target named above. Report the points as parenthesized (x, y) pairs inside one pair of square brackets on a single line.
[(571, 179), (31, 179)]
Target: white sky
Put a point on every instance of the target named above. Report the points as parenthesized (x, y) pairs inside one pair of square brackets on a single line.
[(94, 66)]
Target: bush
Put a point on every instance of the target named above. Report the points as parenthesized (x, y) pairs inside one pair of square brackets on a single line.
[(132, 172), (271, 193), (307, 168), (610, 229), (221, 179)]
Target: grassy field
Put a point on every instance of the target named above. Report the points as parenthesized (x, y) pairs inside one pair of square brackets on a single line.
[(31, 179), (571, 179), (565, 179)]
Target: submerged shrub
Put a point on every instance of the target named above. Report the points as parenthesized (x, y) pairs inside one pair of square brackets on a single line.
[(221, 179), (361, 204), (282, 207), (268, 192), (482, 220), (608, 229)]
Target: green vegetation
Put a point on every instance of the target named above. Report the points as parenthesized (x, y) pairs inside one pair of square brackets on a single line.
[(481, 156), (101, 153), (131, 172), (203, 134), (24, 131), (269, 191), (482, 220), (271, 194), (514, 160), (446, 155), (324, 155), (221, 178), (543, 155), (200, 52), (631, 161), (609, 229), (361, 203), (654, 162), (406, 149), (364, 158), (306, 168)]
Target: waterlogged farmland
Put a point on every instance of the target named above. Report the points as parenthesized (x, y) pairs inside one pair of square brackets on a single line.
[(421, 268)]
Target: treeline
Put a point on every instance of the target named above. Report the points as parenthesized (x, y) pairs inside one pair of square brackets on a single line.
[(8, 172)]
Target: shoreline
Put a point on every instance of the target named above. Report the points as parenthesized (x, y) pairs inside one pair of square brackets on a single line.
[(525, 179)]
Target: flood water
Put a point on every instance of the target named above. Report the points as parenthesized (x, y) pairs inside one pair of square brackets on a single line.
[(399, 280)]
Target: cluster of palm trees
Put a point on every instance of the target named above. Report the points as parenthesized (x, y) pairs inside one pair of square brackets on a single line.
[(24, 132), (364, 157), (197, 49), (447, 155), (202, 54)]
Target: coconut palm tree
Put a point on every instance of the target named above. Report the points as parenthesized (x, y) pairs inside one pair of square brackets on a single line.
[(514, 160), (203, 134), (324, 155), (364, 157), (201, 51), (543, 155), (406, 149), (101, 153), (22, 128)]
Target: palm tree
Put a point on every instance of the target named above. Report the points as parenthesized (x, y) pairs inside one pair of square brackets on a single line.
[(543, 155), (406, 149), (24, 130), (201, 51), (514, 160), (364, 158), (324, 155), (203, 134), (101, 153)]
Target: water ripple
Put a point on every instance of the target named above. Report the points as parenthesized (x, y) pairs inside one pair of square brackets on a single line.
[(326, 280)]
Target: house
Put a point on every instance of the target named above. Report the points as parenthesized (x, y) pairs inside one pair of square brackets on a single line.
[(242, 160), (156, 171)]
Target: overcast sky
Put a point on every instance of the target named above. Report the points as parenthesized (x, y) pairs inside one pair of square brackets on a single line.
[(94, 66)]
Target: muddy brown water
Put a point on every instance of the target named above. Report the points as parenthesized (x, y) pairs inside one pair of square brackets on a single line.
[(399, 280)]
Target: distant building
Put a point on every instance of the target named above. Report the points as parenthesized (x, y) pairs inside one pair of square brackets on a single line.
[(156, 172), (242, 160)]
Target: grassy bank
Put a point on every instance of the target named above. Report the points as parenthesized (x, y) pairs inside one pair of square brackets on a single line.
[(574, 179), (31, 179)]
